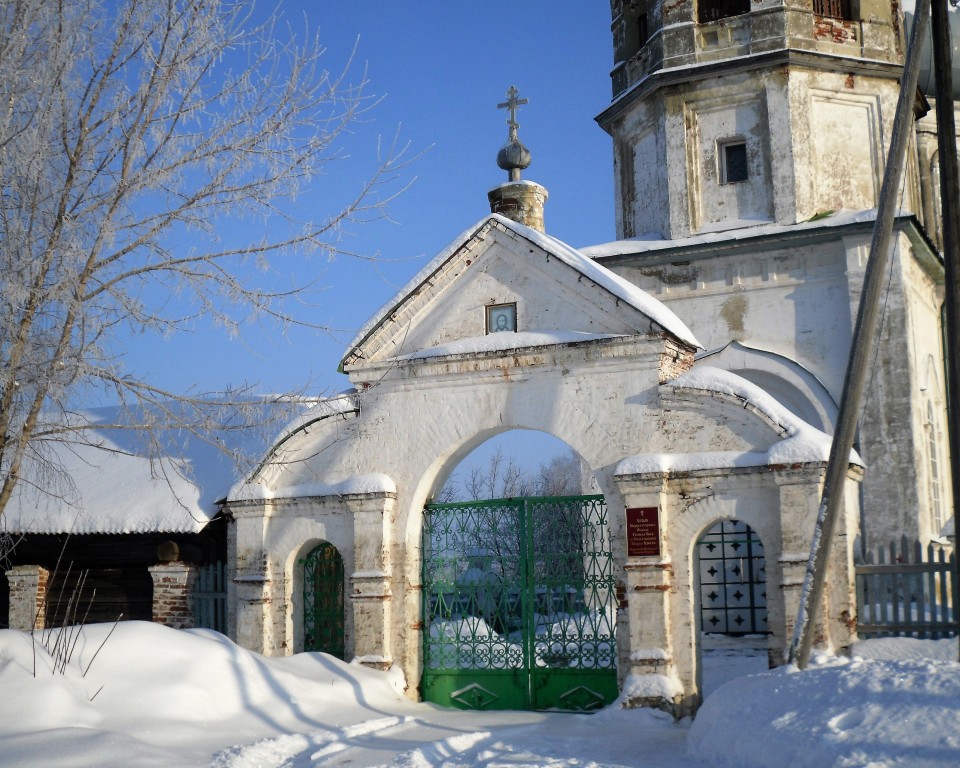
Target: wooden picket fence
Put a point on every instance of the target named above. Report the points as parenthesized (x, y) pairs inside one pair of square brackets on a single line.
[(210, 597), (907, 591)]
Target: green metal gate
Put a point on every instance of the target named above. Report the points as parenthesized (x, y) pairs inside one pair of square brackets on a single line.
[(519, 604), (323, 617)]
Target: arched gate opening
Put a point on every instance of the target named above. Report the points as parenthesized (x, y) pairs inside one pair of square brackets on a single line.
[(519, 604)]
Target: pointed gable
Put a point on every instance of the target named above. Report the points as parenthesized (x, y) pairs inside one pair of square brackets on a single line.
[(556, 295)]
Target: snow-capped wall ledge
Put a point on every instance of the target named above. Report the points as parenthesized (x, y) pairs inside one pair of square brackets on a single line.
[(356, 485), (800, 443), (509, 341), (721, 236)]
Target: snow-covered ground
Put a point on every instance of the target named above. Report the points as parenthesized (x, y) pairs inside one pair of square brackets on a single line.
[(153, 696)]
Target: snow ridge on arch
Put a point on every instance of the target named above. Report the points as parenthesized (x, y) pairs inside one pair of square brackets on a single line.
[(800, 443)]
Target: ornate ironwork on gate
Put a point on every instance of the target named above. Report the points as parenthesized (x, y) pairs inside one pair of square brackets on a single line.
[(323, 616), (733, 580), (519, 604)]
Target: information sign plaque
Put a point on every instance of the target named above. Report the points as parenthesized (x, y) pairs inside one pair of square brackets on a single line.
[(643, 532)]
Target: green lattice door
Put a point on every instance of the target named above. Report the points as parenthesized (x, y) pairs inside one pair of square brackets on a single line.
[(323, 622), (733, 580), (519, 604)]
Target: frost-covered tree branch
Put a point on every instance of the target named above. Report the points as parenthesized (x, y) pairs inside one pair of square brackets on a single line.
[(133, 134)]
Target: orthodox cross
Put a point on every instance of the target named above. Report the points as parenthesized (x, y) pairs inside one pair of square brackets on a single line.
[(512, 103)]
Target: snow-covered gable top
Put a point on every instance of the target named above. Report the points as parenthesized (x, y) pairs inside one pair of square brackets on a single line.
[(558, 296), (795, 442)]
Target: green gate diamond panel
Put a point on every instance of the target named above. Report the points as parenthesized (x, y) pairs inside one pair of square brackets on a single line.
[(519, 604)]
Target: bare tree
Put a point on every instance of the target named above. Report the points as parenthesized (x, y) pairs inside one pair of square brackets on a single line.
[(133, 135), (560, 476), (503, 478)]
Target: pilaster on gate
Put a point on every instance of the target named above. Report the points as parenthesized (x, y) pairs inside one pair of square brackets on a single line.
[(650, 679), (370, 584)]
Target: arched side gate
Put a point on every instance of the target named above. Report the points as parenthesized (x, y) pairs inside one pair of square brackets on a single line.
[(519, 604), (733, 580), (323, 611)]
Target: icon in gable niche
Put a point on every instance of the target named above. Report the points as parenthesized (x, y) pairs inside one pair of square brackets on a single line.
[(501, 317)]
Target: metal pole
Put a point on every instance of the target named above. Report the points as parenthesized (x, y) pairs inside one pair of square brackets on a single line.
[(950, 206), (861, 346)]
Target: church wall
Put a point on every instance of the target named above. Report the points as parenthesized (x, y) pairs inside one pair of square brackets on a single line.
[(814, 143), (662, 616), (842, 127), (802, 302), (929, 170), (789, 300), (270, 537), (571, 398), (418, 418), (908, 372)]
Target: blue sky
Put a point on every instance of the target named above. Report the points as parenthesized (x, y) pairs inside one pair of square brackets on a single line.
[(441, 69)]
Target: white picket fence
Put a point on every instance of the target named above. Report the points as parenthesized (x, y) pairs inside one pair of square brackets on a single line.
[(907, 591)]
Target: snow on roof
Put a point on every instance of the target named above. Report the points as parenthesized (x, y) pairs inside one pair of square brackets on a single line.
[(107, 479), (725, 233), (497, 342), (801, 443), (618, 286), (374, 482)]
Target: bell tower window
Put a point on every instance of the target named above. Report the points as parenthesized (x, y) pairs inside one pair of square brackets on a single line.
[(834, 9), (733, 161), (709, 11)]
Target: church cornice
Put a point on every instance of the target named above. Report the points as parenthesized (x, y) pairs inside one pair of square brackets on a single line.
[(665, 78), (741, 241)]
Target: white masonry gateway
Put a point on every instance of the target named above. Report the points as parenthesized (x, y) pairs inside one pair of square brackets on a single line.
[(594, 361)]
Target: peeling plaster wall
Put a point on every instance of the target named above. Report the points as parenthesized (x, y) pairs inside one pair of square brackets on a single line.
[(801, 302), (816, 142), (417, 419), (791, 300), (929, 170)]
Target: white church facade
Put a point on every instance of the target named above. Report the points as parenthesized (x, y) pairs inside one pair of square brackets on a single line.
[(749, 147)]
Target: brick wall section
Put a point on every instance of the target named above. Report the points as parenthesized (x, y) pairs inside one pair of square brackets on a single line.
[(172, 594), (674, 360), (28, 596)]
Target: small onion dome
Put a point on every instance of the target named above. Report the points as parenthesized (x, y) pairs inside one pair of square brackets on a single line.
[(513, 157)]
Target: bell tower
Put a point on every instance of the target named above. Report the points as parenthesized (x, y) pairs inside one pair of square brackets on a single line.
[(731, 113)]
